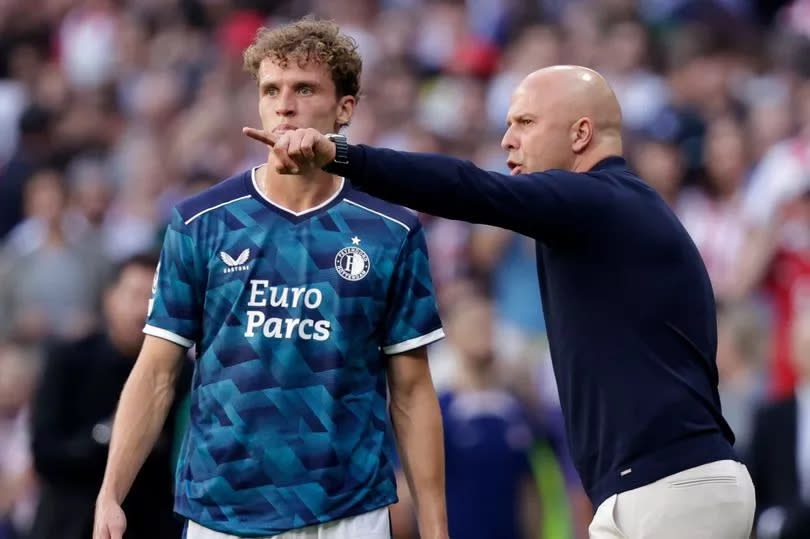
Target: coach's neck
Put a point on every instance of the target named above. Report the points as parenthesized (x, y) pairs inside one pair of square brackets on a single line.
[(296, 193), (608, 145)]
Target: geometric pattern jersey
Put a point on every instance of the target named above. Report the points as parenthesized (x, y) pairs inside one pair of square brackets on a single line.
[(292, 316)]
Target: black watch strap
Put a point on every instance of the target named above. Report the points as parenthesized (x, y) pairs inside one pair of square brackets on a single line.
[(341, 152)]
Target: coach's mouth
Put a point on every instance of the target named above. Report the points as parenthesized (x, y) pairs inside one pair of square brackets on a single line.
[(513, 167)]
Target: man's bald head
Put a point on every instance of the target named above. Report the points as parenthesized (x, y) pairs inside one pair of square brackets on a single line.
[(562, 117)]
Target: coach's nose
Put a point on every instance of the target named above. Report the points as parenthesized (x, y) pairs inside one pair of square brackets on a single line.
[(509, 142)]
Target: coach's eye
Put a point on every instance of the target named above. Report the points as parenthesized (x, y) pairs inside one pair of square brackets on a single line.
[(526, 121)]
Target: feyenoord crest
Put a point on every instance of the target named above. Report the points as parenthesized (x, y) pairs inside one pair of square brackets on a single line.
[(352, 263)]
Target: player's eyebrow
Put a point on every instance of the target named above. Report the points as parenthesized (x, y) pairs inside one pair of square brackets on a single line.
[(272, 83)]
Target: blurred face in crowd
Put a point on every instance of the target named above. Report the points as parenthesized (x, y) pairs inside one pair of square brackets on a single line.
[(301, 96), (661, 165), (470, 328), (725, 156), (625, 46), (126, 303), (45, 196)]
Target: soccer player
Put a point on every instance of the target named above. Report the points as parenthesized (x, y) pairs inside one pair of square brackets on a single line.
[(310, 305), (627, 299)]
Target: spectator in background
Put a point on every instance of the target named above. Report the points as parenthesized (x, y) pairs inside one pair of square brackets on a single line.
[(625, 63), (779, 459), (50, 280), (32, 151), (776, 252), (742, 347), (488, 437), (661, 163), (73, 416), (19, 367), (711, 211)]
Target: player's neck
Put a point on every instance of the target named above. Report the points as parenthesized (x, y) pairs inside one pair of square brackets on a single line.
[(296, 193)]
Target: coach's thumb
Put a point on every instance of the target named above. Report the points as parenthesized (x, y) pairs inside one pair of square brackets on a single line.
[(260, 135)]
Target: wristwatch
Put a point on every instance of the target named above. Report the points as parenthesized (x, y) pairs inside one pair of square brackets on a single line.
[(341, 151)]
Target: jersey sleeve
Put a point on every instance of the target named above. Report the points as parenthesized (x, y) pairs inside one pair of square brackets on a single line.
[(175, 310), (412, 318)]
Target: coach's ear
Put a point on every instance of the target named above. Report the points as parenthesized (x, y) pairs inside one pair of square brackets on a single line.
[(345, 110), (581, 134)]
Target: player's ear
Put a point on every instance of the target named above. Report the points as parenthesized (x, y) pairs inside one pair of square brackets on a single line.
[(581, 134), (345, 109)]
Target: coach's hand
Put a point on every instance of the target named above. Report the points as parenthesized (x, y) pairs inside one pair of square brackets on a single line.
[(298, 150), (110, 522)]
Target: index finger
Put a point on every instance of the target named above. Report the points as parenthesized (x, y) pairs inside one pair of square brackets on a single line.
[(260, 135)]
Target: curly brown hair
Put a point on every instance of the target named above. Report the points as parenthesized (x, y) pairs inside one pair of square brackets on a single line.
[(308, 40)]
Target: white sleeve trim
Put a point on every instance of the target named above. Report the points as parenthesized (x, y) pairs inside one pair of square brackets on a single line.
[(416, 342), (168, 335)]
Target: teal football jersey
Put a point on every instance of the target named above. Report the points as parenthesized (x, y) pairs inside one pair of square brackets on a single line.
[(292, 316)]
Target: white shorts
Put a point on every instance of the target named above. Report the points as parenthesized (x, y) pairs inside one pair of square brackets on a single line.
[(372, 525), (712, 501)]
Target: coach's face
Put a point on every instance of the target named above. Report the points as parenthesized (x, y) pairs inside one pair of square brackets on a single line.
[(300, 96), (537, 133)]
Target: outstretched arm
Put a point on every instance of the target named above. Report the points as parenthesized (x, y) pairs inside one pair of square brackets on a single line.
[(540, 205)]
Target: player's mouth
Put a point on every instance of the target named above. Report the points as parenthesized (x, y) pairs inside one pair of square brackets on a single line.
[(515, 168), (278, 130)]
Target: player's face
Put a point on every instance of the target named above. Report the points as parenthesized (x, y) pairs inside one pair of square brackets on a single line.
[(300, 96), (536, 136)]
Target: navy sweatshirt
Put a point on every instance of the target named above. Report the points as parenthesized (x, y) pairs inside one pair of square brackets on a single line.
[(628, 304)]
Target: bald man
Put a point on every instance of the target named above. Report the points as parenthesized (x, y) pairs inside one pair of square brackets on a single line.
[(627, 300)]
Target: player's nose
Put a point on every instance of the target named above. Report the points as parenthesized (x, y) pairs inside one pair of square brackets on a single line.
[(285, 104)]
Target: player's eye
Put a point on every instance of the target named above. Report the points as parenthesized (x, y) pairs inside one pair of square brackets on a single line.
[(305, 90), (271, 91)]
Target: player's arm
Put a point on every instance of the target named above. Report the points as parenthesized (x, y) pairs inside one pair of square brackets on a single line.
[(542, 205), (145, 402), (417, 422), (173, 325)]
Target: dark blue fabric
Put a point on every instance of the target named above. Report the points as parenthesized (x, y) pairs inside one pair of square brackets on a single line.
[(627, 300)]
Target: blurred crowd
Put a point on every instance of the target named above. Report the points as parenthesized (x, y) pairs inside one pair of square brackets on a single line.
[(111, 111)]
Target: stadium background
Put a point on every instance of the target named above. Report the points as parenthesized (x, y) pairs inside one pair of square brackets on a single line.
[(111, 111)]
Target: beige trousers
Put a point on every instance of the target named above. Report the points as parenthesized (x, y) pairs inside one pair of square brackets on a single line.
[(715, 500)]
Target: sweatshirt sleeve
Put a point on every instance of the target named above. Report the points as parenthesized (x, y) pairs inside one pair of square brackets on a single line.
[(543, 205)]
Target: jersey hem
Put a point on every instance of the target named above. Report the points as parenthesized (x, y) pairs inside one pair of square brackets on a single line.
[(167, 335), (213, 526), (416, 342)]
